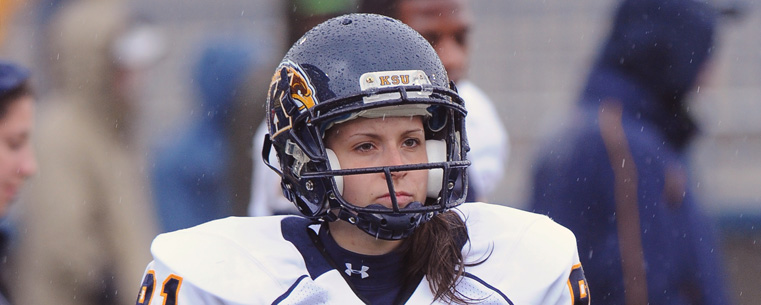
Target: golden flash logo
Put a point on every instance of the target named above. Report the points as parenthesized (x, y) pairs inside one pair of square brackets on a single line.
[(393, 80)]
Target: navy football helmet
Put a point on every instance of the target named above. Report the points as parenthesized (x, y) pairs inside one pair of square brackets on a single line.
[(364, 65)]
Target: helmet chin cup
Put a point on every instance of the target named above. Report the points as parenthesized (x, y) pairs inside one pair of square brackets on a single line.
[(392, 226)]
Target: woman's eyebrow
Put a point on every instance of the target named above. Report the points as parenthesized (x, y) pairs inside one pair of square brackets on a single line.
[(372, 135), (414, 130)]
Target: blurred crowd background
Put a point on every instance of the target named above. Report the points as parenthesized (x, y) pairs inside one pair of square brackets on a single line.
[(530, 57)]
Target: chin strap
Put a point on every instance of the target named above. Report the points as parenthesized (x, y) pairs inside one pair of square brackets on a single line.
[(392, 226)]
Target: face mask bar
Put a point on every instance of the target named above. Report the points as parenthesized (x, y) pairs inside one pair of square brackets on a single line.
[(395, 223), (448, 186)]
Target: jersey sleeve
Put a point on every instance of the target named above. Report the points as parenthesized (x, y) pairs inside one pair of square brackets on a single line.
[(529, 258), (578, 289), (571, 285), (222, 262)]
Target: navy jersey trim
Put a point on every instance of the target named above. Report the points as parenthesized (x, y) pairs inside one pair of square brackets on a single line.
[(290, 289), (296, 230), (477, 279)]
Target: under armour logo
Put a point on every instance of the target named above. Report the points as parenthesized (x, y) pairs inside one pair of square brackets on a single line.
[(362, 271)]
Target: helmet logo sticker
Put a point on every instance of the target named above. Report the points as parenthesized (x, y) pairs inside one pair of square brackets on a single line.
[(386, 79), (290, 89), (301, 89)]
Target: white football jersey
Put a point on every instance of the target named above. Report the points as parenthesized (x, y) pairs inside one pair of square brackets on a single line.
[(272, 260)]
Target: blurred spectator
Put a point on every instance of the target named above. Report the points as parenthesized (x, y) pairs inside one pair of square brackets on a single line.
[(17, 161), (191, 177), (86, 223), (616, 174), (446, 24), (7, 10)]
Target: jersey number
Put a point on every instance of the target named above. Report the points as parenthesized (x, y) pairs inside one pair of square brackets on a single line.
[(169, 289), (577, 285)]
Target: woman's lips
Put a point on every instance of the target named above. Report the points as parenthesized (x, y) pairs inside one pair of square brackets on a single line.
[(402, 199)]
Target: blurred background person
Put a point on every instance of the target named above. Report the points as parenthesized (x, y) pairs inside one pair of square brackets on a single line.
[(7, 10), (87, 223), (447, 25), (617, 172), (17, 161), (192, 167)]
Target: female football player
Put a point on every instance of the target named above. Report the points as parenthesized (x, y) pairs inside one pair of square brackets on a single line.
[(370, 139), (17, 161)]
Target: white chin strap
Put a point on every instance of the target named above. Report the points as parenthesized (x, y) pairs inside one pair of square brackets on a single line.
[(437, 152)]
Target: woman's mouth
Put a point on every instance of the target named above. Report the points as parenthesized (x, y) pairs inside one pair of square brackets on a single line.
[(402, 199)]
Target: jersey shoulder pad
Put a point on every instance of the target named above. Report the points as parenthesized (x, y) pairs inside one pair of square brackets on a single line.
[(530, 257), (220, 256)]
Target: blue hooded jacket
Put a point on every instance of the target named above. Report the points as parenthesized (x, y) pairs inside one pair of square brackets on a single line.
[(190, 175), (616, 175)]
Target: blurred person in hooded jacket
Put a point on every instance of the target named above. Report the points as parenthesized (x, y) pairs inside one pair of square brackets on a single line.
[(617, 172), (192, 170), (17, 161), (86, 222)]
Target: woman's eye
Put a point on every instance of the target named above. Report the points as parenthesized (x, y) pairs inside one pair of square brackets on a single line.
[(411, 142), (364, 147), (15, 144)]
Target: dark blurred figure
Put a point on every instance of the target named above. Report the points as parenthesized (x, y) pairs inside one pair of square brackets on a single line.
[(86, 223), (266, 196), (447, 24), (617, 172), (303, 15), (191, 175), (17, 163)]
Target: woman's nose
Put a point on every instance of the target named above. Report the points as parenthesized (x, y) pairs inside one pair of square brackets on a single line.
[(394, 157)]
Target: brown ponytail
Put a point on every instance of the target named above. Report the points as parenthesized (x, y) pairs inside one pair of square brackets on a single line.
[(435, 250)]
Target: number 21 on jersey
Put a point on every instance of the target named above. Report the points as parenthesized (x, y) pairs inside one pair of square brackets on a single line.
[(577, 285), (169, 289)]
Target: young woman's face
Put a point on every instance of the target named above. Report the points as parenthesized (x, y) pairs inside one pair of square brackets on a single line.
[(16, 155), (364, 142)]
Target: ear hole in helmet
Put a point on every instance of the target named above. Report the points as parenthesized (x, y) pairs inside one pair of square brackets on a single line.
[(437, 152), (334, 165), (438, 118)]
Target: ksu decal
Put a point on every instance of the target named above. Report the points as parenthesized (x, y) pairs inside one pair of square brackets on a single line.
[(387, 79), (291, 93)]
